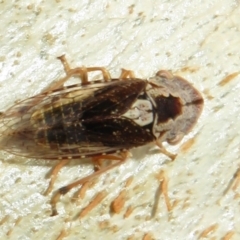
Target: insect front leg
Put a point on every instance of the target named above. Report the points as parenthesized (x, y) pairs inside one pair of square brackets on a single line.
[(164, 151)]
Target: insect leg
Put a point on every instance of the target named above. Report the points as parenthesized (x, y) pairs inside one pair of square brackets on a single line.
[(127, 74), (97, 160), (120, 160), (105, 73), (82, 71), (164, 151), (54, 173)]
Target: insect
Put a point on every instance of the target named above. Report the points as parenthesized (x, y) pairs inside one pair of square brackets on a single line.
[(100, 119)]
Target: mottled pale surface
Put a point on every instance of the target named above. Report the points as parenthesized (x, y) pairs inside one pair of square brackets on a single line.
[(198, 40)]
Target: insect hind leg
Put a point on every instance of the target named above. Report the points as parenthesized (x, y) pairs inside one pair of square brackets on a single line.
[(54, 174), (120, 160)]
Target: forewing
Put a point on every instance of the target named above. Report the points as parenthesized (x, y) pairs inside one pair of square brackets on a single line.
[(113, 99), (27, 125)]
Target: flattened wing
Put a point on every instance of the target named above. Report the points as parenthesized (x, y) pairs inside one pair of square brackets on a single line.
[(73, 121), (114, 99)]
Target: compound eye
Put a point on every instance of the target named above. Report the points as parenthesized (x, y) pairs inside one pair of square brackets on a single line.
[(176, 139)]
